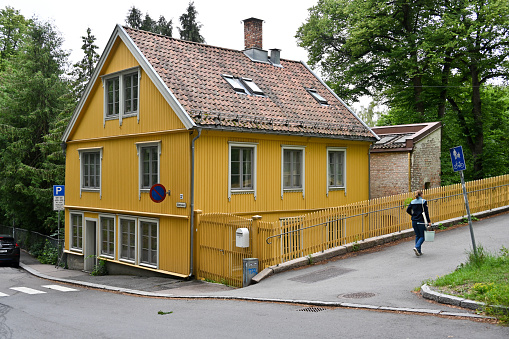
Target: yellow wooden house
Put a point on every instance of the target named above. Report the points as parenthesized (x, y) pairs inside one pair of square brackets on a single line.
[(226, 131)]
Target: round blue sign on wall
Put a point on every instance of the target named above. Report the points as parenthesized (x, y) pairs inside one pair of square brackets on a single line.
[(157, 193)]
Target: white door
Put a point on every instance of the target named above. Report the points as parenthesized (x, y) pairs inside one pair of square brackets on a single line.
[(90, 250)]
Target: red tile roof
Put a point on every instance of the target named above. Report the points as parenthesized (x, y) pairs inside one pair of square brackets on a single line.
[(193, 73)]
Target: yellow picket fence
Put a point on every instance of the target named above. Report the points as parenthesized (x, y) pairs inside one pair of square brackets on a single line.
[(218, 258)]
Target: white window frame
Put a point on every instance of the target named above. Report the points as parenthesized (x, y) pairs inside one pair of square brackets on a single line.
[(101, 217), (303, 167), (336, 188), (121, 101), (139, 148), (81, 151), (253, 146), (71, 226), (140, 240), (120, 243)]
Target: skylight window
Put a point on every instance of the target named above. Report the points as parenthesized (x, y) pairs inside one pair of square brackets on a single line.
[(385, 139), (235, 83), (243, 85), (253, 88), (317, 96)]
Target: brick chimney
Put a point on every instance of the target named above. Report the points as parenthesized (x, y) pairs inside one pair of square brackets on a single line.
[(253, 33)]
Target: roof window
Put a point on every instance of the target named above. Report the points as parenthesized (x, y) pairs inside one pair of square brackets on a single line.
[(243, 85), (253, 88), (235, 83), (317, 96)]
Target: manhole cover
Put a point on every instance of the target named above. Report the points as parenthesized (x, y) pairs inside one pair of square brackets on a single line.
[(357, 295), (311, 309)]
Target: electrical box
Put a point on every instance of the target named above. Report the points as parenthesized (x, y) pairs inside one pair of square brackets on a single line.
[(249, 270), (242, 237)]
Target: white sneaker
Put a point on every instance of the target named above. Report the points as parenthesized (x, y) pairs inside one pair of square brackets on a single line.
[(416, 252)]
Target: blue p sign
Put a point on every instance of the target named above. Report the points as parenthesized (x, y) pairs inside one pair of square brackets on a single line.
[(58, 190)]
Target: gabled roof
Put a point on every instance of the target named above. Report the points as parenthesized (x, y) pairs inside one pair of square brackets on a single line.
[(402, 137), (190, 77)]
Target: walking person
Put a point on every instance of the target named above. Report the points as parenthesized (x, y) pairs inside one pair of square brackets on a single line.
[(418, 209)]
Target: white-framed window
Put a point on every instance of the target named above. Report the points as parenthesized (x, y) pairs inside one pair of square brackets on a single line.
[(148, 242), (90, 169), (127, 246), (76, 231), (336, 168), (242, 168), (121, 94), (292, 169), (148, 158), (107, 235)]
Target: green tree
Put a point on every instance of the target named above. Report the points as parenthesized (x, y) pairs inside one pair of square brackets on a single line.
[(13, 28), (134, 20), (33, 98), (84, 69), (190, 30), (429, 58)]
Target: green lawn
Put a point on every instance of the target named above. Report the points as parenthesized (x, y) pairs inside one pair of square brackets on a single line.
[(484, 277)]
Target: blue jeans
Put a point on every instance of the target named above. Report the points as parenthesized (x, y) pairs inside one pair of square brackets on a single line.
[(419, 229)]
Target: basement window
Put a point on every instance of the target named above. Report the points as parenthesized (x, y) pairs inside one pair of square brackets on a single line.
[(317, 96)]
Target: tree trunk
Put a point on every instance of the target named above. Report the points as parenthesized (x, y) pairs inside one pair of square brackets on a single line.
[(477, 130)]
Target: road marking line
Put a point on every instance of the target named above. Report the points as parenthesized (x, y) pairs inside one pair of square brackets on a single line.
[(3, 294), (27, 290), (60, 288)]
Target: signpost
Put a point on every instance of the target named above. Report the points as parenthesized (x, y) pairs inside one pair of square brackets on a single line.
[(58, 205), (458, 165)]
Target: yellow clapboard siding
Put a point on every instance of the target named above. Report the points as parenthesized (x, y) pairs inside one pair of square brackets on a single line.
[(212, 174)]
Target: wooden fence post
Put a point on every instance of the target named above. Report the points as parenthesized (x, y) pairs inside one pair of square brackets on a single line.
[(254, 235), (196, 266)]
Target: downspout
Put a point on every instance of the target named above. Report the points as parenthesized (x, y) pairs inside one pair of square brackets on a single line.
[(409, 171), (191, 249), (369, 173)]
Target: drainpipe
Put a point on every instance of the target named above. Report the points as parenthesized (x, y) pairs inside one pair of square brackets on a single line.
[(409, 171), (192, 203)]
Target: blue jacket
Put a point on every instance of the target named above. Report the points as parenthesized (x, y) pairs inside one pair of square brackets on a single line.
[(415, 209)]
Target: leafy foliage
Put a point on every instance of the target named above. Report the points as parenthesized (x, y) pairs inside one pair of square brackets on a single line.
[(134, 20), (32, 98), (84, 69), (190, 30), (432, 60)]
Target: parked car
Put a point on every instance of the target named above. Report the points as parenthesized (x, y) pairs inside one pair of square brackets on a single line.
[(9, 250)]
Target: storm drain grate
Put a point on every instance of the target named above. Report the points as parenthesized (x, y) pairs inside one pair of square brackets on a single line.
[(357, 295), (311, 309)]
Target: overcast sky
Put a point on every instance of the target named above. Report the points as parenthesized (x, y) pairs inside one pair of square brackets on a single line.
[(221, 20)]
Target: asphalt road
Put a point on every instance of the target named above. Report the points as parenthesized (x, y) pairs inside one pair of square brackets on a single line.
[(85, 313)]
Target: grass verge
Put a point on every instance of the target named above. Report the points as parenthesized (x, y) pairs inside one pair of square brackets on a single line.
[(484, 277)]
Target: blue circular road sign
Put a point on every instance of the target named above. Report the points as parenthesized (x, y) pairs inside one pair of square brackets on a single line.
[(157, 193)]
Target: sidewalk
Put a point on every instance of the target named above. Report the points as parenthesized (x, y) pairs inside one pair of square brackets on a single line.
[(384, 278)]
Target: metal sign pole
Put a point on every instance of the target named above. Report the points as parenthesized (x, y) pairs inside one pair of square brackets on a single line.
[(468, 212)]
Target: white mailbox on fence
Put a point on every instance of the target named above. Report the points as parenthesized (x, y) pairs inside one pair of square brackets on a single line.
[(242, 237)]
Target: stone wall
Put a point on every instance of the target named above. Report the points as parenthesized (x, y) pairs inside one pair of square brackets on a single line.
[(426, 165)]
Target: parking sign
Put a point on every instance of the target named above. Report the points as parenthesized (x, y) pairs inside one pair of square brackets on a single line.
[(58, 197)]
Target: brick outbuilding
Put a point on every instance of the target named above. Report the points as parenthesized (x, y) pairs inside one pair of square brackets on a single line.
[(406, 158)]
